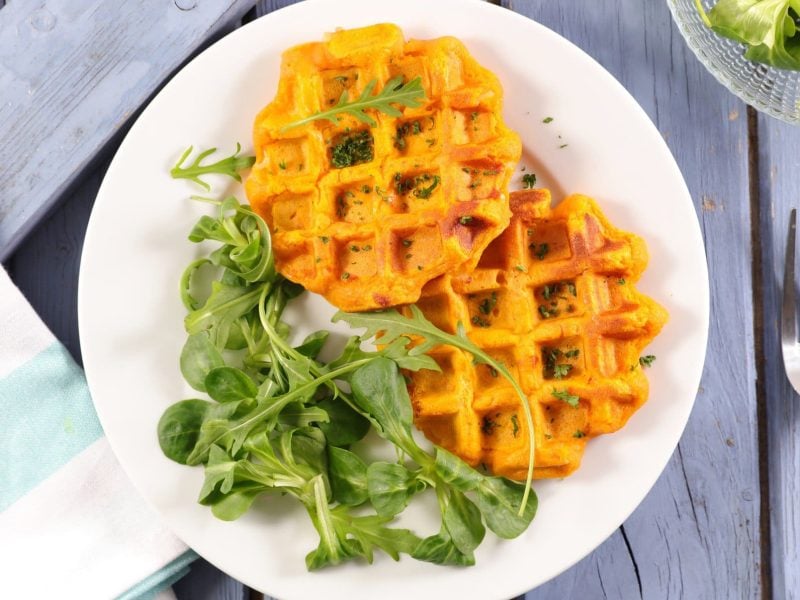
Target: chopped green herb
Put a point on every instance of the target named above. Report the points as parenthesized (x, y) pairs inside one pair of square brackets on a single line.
[(571, 288), (539, 251), (520, 268), (407, 242), (528, 181), (487, 305), (578, 434), (564, 395), (345, 275), (465, 220), (492, 370), (547, 120), (282, 165), (572, 353), (325, 239), (548, 313), (354, 248), (473, 116), (647, 361), (488, 425), (563, 146), (353, 149), (621, 281), (561, 371), (479, 322), (366, 248), (547, 291), (366, 189), (425, 192), (514, 425)]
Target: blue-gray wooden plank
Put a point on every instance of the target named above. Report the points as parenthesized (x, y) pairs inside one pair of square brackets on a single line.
[(696, 535), (71, 75), (779, 165), (205, 582)]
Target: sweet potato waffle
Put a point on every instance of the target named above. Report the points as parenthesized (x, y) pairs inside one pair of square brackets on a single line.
[(553, 298), (427, 194)]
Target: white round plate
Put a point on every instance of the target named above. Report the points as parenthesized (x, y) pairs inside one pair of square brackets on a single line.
[(136, 248)]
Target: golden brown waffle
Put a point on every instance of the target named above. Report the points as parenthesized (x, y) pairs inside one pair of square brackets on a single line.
[(553, 298), (431, 199)]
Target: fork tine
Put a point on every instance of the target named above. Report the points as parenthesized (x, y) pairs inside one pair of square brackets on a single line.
[(789, 307)]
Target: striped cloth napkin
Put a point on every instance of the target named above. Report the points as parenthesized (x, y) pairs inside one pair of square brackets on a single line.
[(71, 524)]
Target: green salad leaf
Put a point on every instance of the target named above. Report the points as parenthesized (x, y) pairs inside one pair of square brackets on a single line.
[(229, 166), (276, 419), (395, 91), (769, 28)]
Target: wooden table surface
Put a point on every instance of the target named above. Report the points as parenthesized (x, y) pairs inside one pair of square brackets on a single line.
[(721, 521)]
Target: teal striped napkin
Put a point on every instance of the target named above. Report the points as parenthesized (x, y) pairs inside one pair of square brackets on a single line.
[(71, 523)]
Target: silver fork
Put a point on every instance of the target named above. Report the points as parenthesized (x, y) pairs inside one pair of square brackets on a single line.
[(790, 345)]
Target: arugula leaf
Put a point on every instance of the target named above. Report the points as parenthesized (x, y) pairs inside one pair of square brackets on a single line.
[(229, 166), (409, 94)]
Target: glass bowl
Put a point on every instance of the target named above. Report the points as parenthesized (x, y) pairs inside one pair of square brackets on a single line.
[(770, 90)]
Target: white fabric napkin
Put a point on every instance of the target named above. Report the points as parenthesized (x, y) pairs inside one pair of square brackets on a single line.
[(71, 524)]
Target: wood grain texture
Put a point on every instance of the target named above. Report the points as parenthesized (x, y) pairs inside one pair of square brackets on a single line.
[(779, 164), (72, 74), (696, 535), (206, 582)]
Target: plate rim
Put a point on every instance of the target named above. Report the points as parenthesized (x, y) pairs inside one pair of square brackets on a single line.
[(524, 21)]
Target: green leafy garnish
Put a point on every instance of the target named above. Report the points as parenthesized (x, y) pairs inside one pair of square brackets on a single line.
[(276, 419), (229, 166), (768, 28), (409, 94), (564, 395), (647, 361), (528, 181)]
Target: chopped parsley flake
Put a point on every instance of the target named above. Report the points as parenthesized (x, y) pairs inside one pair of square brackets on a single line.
[(571, 399), (547, 120), (353, 149), (514, 425), (647, 361), (528, 181), (345, 275), (539, 251), (578, 434), (478, 322), (621, 281), (282, 165), (520, 268), (561, 371), (487, 305), (488, 425), (465, 220), (325, 239)]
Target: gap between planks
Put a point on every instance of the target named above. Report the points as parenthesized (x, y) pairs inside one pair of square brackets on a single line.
[(758, 342)]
